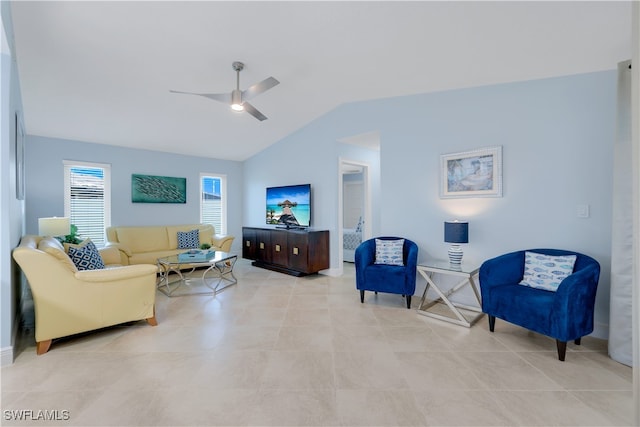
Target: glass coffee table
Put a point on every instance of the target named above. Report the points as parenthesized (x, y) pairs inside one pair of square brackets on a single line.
[(217, 275)]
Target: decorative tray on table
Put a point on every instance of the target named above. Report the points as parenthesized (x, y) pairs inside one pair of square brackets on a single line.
[(196, 255)]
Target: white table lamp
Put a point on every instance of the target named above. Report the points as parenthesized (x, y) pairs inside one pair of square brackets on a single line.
[(54, 226)]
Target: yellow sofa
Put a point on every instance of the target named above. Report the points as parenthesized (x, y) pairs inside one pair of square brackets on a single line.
[(145, 244), (68, 301)]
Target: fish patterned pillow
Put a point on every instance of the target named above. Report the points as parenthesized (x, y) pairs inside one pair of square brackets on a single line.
[(546, 271), (389, 252)]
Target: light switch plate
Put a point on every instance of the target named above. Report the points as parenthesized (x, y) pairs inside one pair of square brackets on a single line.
[(582, 211)]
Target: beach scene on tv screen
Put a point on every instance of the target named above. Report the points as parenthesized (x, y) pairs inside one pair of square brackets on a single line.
[(289, 206)]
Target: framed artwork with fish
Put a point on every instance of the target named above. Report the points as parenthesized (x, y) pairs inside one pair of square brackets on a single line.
[(476, 173), (158, 189)]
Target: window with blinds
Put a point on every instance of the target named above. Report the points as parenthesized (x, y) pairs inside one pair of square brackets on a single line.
[(87, 198), (213, 209)]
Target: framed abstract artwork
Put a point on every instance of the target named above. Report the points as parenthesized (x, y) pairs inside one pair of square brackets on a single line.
[(476, 173), (158, 189)]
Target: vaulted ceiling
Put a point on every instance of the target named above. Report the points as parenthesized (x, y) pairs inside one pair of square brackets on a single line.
[(101, 71)]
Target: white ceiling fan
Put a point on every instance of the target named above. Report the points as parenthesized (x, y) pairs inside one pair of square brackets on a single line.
[(237, 98)]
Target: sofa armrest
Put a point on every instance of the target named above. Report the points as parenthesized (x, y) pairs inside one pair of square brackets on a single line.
[(574, 303), (117, 273), (365, 253), (125, 252), (505, 269), (110, 255), (222, 242), (120, 247)]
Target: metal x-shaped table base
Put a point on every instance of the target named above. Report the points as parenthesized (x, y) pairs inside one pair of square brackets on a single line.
[(473, 313)]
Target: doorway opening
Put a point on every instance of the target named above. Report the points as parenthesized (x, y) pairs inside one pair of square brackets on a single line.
[(354, 211)]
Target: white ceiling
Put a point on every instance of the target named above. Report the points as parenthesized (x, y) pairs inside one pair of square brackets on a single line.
[(101, 71)]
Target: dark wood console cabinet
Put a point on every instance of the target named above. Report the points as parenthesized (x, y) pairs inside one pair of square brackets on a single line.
[(295, 252)]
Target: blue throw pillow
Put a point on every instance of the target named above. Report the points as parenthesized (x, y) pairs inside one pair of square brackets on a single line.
[(86, 256), (188, 239), (389, 252), (546, 271)]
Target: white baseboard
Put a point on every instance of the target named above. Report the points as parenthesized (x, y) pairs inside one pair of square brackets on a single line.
[(333, 272), (6, 356), (600, 330)]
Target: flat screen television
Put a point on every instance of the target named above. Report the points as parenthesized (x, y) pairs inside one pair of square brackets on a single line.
[(289, 206)]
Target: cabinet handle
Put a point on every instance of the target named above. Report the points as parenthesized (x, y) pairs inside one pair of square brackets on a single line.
[(277, 248), (295, 251), (248, 243), (261, 245)]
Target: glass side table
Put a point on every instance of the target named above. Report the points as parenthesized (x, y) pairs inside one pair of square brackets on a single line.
[(442, 307)]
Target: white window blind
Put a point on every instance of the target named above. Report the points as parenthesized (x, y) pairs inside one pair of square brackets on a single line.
[(213, 194), (87, 198)]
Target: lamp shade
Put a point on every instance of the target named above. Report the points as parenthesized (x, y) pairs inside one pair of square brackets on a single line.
[(456, 232), (55, 226)]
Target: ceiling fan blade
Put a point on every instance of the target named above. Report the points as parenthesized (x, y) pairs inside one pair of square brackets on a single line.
[(222, 97), (258, 88), (252, 110)]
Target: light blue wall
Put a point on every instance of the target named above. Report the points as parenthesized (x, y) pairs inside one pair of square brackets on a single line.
[(312, 155), (557, 138), (45, 182), (11, 209)]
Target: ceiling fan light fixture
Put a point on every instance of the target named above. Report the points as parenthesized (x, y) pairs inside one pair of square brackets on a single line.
[(236, 100)]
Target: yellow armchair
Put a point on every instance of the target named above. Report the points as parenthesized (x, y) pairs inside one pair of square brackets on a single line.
[(68, 301)]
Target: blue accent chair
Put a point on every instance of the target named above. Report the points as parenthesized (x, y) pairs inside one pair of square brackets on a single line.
[(393, 279), (565, 315)]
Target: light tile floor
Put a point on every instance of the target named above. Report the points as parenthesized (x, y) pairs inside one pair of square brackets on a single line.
[(275, 350)]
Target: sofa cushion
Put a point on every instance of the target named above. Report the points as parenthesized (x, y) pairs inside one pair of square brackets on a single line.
[(144, 239), (53, 247), (152, 257), (188, 239), (546, 271), (85, 256)]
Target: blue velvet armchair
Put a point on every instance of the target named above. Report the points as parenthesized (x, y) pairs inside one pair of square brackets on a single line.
[(392, 279), (566, 314)]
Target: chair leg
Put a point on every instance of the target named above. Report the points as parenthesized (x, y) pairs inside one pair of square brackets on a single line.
[(562, 349), (409, 301), (492, 322), (362, 296), (577, 341)]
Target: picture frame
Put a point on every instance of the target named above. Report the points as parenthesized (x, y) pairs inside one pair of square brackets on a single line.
[(474, 173), (158, 189), (19, 157)]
